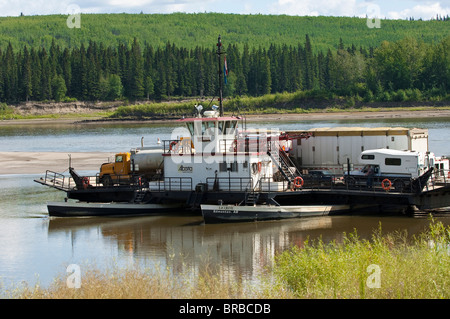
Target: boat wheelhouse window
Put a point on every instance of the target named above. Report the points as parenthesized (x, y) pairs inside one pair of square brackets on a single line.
[(368, 157), (233, 125), (208, 127), (222, 127), (223, 167), (190, 126), (393, 161), (232, 167), (227, 127)]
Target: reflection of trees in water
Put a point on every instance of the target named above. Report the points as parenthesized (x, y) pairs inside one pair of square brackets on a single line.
[(184, 245)]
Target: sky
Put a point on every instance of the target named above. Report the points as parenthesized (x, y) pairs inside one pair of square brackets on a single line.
[(390, 9)]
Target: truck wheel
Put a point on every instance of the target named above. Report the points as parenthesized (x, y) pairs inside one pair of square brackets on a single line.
[(107, 181)]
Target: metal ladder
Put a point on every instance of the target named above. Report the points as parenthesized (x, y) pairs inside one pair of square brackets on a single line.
[(283, 162), (194, 200), (139, 196), (251, 198)]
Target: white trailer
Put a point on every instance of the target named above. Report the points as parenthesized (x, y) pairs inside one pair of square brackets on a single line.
[(397, 168), (329, 148), (393, 163)]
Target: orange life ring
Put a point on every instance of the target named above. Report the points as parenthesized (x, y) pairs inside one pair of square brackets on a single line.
[(259, 167), (171, 146), (298, 182), (85, 182), (386, 184)]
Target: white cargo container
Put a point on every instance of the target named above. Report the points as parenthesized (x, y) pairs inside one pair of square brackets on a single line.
[(329, 148)]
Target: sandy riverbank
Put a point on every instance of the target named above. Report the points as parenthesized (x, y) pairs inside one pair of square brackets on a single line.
[(39, 162), (318, 116), (350, 115)]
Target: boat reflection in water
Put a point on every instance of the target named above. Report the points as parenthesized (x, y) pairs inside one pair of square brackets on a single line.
[(187, 245)]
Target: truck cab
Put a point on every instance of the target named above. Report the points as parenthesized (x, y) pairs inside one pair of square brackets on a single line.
[(118, 172)]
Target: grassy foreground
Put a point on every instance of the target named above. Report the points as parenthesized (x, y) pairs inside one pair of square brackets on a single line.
[(417, 268), (403, 267)]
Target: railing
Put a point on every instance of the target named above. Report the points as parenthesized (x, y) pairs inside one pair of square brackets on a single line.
[(170, 145), (434, 180), (267, 184), (56, 180), (243, 145), (117, 180), (171, 184), (242, 184), (439, 178), (65, 183)]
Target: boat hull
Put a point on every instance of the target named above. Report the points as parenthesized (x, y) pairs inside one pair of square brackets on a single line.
[(79, 209), (228, 213)]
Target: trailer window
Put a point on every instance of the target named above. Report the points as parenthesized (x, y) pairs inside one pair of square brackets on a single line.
[(368, 157), (393, 161)]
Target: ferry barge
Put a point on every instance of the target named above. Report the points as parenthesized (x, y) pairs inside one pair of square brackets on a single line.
[(215, 166)]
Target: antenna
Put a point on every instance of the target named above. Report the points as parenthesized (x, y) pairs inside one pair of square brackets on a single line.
[(219, 53)]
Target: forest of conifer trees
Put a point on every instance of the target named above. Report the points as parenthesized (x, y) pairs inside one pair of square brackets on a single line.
[(405, 69)]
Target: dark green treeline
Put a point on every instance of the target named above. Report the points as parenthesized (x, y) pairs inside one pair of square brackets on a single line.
[(136, 72)]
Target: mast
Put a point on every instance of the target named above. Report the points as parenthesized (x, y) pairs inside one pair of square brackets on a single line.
[(219, 53)]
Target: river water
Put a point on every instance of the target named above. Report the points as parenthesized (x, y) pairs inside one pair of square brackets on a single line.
[(36, 249)]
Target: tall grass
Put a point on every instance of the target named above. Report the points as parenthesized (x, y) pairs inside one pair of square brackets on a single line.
[(138, 283), (149, 110), (310, 101), (266, 104), (417, 267)]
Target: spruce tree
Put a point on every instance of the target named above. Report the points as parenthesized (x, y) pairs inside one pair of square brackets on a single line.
[(136, 72), (1, 76), (10, 75), (25, 79), (66, 68), (46, 76), (36, 85)]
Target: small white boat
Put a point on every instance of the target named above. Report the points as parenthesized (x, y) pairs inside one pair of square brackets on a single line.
[(230, 213), (77, 209)]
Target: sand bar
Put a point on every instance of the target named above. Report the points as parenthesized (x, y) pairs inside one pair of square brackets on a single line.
[(39, 162)]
